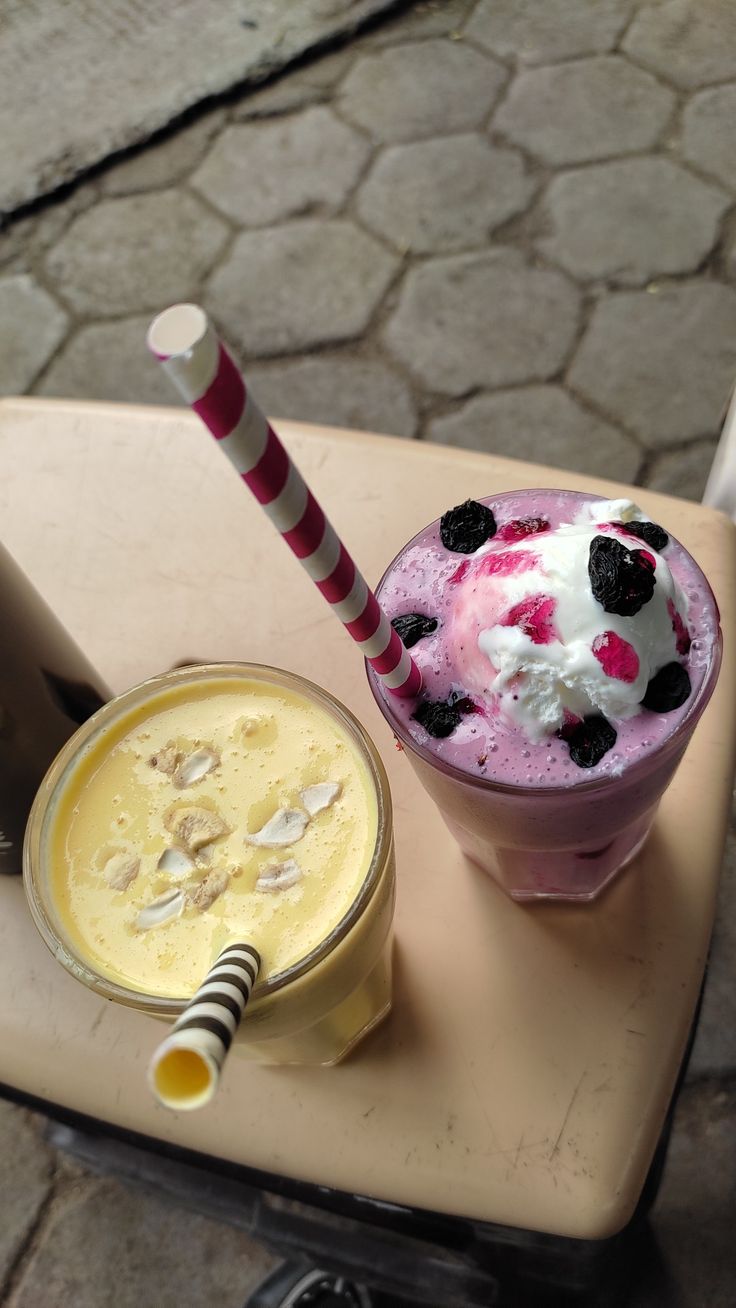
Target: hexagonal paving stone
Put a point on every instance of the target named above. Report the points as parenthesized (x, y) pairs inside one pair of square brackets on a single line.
[(684, 473), (584, 110), (541, 31), (631, 220), (306, 283), (709, 132), (109, 361), (295, 90), (139, 252), (24, 240), (662, 365), (690, 42), (445, 194), (482, 320), (339, 391), (264, 172), (31, 327), (421, 89), (541, 424), (163, 162), (428, 18)]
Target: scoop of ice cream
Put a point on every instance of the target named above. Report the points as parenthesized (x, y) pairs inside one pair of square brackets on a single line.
[(529, 635)]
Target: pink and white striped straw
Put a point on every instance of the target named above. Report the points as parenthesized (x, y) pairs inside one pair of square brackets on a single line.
[(184, 341)]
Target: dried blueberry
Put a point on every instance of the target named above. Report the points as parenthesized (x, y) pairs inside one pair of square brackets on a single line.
[(438, 717), (622, 580), (412, 626), (668, 689), (466, 527), (654, 536), (589, 740)]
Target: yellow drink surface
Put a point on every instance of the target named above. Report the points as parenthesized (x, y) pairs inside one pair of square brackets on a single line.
[(271, 744)]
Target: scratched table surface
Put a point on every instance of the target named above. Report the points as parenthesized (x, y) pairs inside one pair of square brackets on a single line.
[(525, 1072)]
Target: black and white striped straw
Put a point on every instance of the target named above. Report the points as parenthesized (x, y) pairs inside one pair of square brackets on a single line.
[(185, 1069)]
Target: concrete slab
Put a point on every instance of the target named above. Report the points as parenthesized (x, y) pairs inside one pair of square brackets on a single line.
[(109, 76)]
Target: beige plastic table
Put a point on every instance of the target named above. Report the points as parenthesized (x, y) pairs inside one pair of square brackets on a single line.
[(525, 1072)]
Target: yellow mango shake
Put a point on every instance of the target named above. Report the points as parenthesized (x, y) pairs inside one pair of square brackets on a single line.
[(218, 804)]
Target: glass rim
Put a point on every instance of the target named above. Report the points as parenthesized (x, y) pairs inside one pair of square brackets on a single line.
[(684, 727), (40, 899)]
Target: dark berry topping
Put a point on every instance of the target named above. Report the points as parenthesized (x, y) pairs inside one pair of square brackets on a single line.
[(589, 740), (466, 527), (462, 702), (518, 528), (652, 535), (412, 626), (622, 580), (438, 717), (668, 689)]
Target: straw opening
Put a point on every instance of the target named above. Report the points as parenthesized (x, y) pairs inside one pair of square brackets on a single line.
[(177, 330), (183, 1078)]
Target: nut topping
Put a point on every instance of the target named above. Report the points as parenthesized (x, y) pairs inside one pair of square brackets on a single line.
[(176, 862), (194, 827), (121, 870), (322, 795), (279, 876), (166, 760), (285, 827), (161, 910), (210, 887), (196, 766)]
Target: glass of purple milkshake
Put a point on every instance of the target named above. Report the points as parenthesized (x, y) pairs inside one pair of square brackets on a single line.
[(568, 646)]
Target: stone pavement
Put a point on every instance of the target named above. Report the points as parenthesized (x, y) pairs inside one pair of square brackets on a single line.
[(502, 224), (110, 75)]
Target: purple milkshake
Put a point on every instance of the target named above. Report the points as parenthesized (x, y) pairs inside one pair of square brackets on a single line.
[(568, 646)]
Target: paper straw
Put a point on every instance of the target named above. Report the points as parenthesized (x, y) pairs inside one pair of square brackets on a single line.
[(185, 1069), (183, 340)]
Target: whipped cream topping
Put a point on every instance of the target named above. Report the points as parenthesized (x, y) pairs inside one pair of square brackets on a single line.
[(528, 633)]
